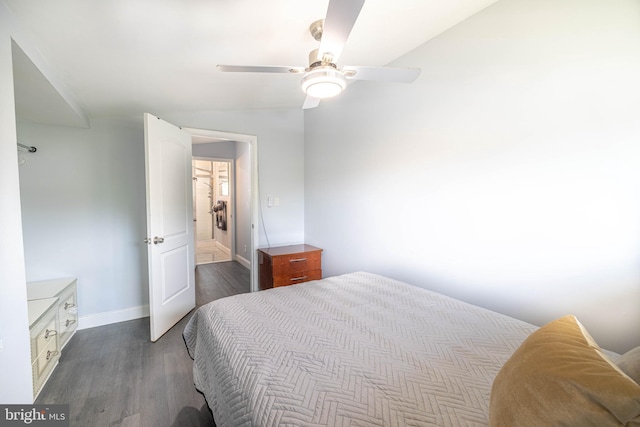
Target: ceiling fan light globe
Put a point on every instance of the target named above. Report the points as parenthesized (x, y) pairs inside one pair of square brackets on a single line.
[(323, 82), (323, 90)]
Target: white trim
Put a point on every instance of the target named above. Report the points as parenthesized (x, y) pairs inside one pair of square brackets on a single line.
[(113, 316), (223, 248), (245, 262)]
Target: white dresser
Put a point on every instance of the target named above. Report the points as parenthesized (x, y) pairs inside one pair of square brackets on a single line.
[(53, 319)]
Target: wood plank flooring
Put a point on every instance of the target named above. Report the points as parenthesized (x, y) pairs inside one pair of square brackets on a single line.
[(114, 376)]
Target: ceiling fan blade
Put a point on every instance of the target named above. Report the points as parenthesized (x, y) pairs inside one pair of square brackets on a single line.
[(310, 102), (340, 19), (258, 69), (382, 74)]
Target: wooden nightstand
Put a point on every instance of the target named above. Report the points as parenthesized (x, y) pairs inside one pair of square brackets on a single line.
[(288, 265)]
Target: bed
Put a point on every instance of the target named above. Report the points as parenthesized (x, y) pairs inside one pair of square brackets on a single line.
[(353, 350)]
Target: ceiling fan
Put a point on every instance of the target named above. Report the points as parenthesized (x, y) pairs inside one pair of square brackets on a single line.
[(322, 78)]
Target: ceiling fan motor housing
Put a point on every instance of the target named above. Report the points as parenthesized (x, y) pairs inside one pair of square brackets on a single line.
[(316, 29), (316, 58)]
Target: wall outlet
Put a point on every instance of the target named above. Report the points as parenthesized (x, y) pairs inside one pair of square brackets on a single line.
[(269, 201), (276, 201)]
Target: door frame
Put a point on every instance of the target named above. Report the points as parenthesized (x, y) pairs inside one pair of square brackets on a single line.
[(231, 221), (252, 140), (195, 200)]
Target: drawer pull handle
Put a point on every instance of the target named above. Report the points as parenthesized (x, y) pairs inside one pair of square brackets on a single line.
[(69, 322), (68, 305), (298, 278), (49, 333), (297, 260), (51, 354)]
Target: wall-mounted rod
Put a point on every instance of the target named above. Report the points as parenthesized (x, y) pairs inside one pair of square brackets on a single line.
[(28, 148)]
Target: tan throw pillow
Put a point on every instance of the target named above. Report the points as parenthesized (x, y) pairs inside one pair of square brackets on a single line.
[(629, 363), (559, 377)]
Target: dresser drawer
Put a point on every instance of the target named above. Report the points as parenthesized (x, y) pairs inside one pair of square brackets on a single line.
[(43, 365), (289, 264), (44, 334), (68, 316), (53, 319), (49, 354), (297, 277)]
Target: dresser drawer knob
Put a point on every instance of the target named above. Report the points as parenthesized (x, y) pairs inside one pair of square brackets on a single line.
[(68, 305), (49, 333), (69, 322), (294, 279), (50, 354), (297, 260)]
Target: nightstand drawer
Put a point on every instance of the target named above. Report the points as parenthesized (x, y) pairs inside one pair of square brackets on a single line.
[(299, 277), (288, 264)]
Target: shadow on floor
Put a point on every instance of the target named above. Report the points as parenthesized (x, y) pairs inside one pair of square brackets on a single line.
[(192, 417)]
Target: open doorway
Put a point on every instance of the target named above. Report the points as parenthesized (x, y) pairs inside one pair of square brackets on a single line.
[(169, 152), (242, 214), (212, 210)]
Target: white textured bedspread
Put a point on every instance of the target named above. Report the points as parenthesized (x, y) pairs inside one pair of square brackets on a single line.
[(352, 350)]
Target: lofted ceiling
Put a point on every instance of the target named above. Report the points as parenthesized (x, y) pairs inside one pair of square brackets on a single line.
[(125, 57)]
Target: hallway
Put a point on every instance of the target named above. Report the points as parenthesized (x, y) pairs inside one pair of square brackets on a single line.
[(207, 251)]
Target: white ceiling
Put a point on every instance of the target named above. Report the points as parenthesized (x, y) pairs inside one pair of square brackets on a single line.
[(125, 57)]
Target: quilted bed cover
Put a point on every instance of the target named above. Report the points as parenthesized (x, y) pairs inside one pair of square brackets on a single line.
[(353, 350)]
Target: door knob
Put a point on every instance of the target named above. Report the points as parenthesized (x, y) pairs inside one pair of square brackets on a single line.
[(147, 240), (157, 240)]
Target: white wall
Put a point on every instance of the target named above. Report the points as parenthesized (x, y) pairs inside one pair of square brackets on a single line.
[(280, 161), (15, 366), (84, 205), (221, 150), (506, 176), (84, 213)]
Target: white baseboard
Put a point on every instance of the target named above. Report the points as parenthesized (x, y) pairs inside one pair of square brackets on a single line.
[(223, 248), (245, 262), (113, 316)]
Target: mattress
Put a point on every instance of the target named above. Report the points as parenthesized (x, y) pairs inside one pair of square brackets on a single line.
[(353, 350)]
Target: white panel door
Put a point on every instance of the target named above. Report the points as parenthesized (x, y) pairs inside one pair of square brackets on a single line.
[(169, 224)]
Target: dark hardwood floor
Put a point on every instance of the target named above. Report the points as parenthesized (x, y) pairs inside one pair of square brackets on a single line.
[(114, 376)]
